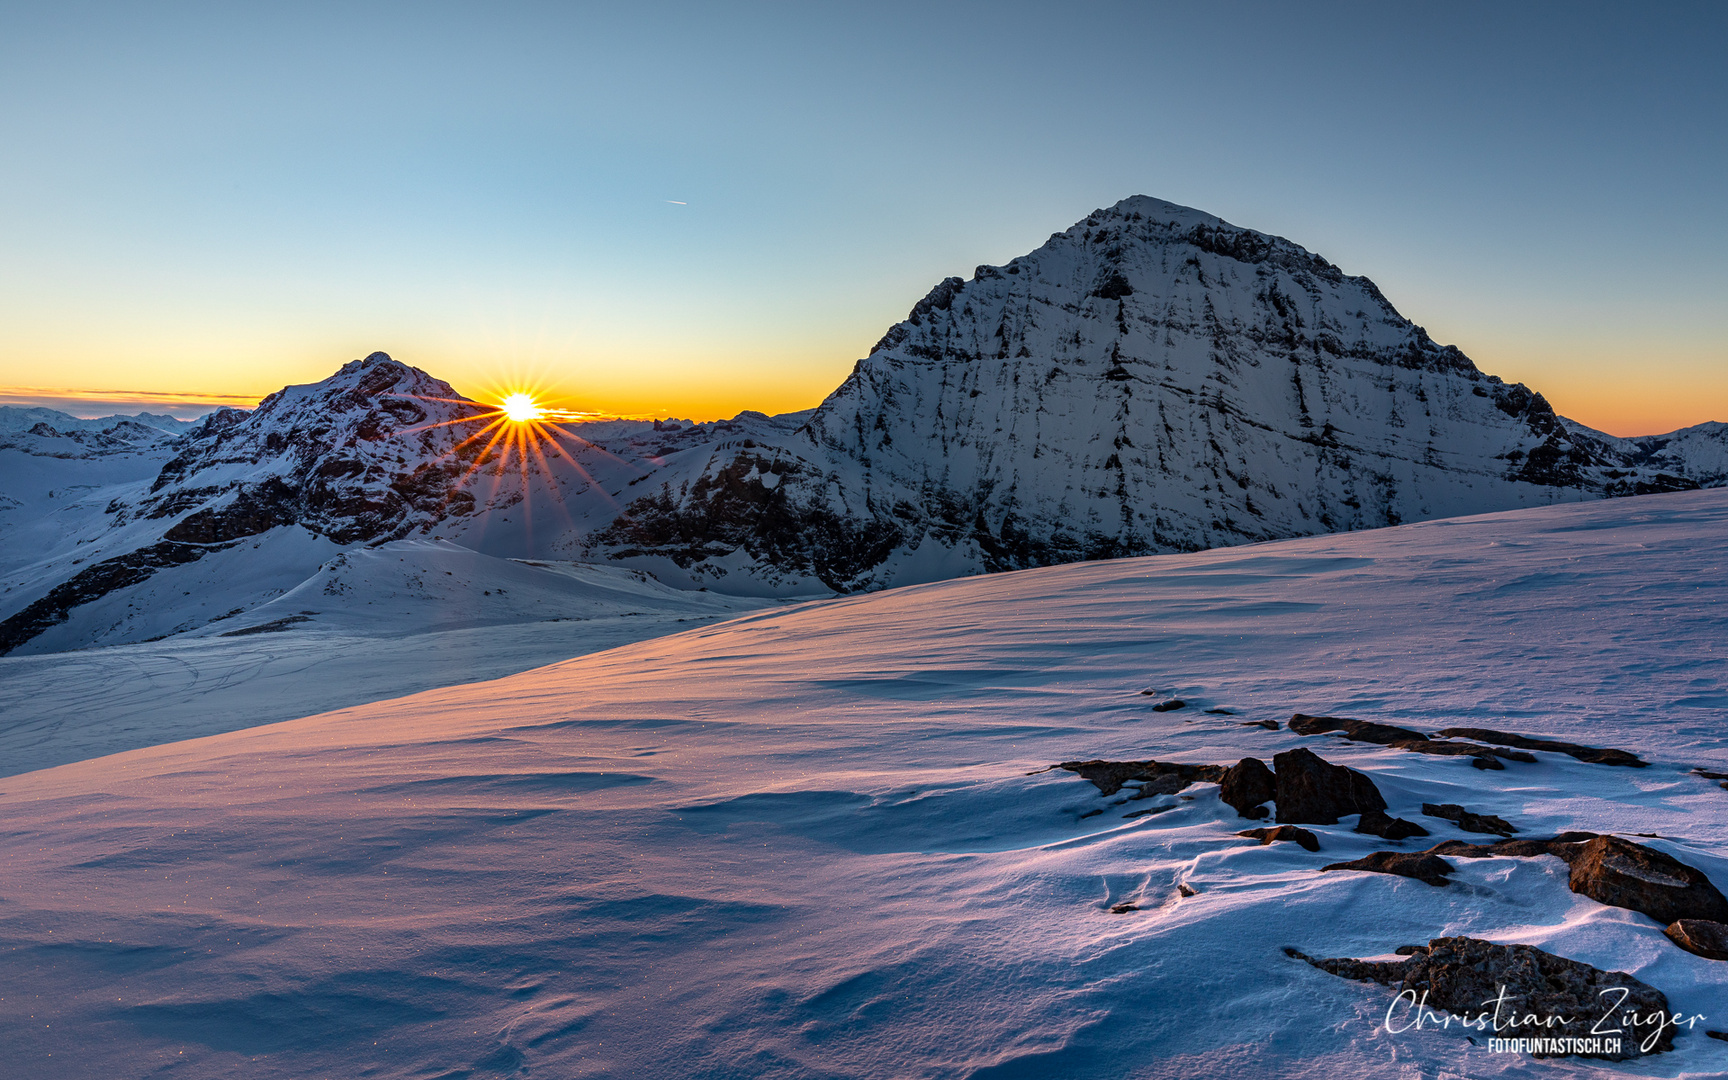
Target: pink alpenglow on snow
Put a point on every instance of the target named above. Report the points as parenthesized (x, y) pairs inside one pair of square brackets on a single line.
[(816, 841)]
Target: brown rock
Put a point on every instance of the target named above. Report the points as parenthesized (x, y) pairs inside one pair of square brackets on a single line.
[(1421, 865), (1169, 706), (1710, 775), (1620, 873), (1269, 725), (1246, 786), (1379, 823), (1312, 791), (1284, 832), (1468, 976), (1700, 936), (1594, 754), (1162, 777), (1522, 848), (1486, 757), (1355, 730), (1468, 821)]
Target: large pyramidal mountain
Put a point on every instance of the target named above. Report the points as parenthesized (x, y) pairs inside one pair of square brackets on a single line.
[(1154, 379)]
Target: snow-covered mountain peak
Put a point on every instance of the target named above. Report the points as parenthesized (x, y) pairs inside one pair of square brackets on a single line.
[(373, 452), (1151, 379)]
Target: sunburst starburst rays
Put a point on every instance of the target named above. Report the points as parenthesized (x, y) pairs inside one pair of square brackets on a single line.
[(513, 436)]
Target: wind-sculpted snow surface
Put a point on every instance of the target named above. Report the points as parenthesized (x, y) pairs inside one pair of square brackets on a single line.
[(1153, 379), (823, 841)]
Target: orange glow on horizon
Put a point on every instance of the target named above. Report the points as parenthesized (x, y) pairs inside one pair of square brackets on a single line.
[(1598, 387)]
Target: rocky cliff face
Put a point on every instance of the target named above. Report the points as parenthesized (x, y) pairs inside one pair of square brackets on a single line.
[(1153, 379)]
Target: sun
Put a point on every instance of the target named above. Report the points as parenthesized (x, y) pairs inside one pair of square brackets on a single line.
[(521, 408)]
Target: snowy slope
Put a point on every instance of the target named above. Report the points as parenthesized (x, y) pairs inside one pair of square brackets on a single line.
[(805, 843), (369, 623)]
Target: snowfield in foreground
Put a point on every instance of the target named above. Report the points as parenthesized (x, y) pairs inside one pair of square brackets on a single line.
[(805, 842)]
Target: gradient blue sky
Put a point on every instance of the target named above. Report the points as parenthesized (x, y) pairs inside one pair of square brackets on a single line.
[(220, 199)]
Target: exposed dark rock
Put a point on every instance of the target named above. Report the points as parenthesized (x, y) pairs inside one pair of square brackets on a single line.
[(1283, 832), (1269, 725), (1593, 754), (1468, 821), (1526, 849), (1620, 873), (1710, 775), (1518, 991), (1616, 872), (1701, 936), (1148, 812), (1356, 730), (1420, 865), (94, 582), (276, 626), (1159, 777), (1169, 706), (1381, 824), (732, 510), (1247, 785), (1123, 909), (1403, 739), (1186, 889), (1312, 791)]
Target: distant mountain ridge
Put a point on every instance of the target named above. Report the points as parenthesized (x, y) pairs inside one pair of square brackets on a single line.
[(1153, 379), (52, 433), (16, 418)]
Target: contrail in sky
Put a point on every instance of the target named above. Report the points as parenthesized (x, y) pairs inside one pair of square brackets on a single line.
[(677, 202)]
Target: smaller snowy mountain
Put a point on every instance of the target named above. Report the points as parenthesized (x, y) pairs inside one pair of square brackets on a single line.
[(247, 506)]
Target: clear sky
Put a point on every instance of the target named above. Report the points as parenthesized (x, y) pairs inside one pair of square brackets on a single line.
[(691, 209)]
